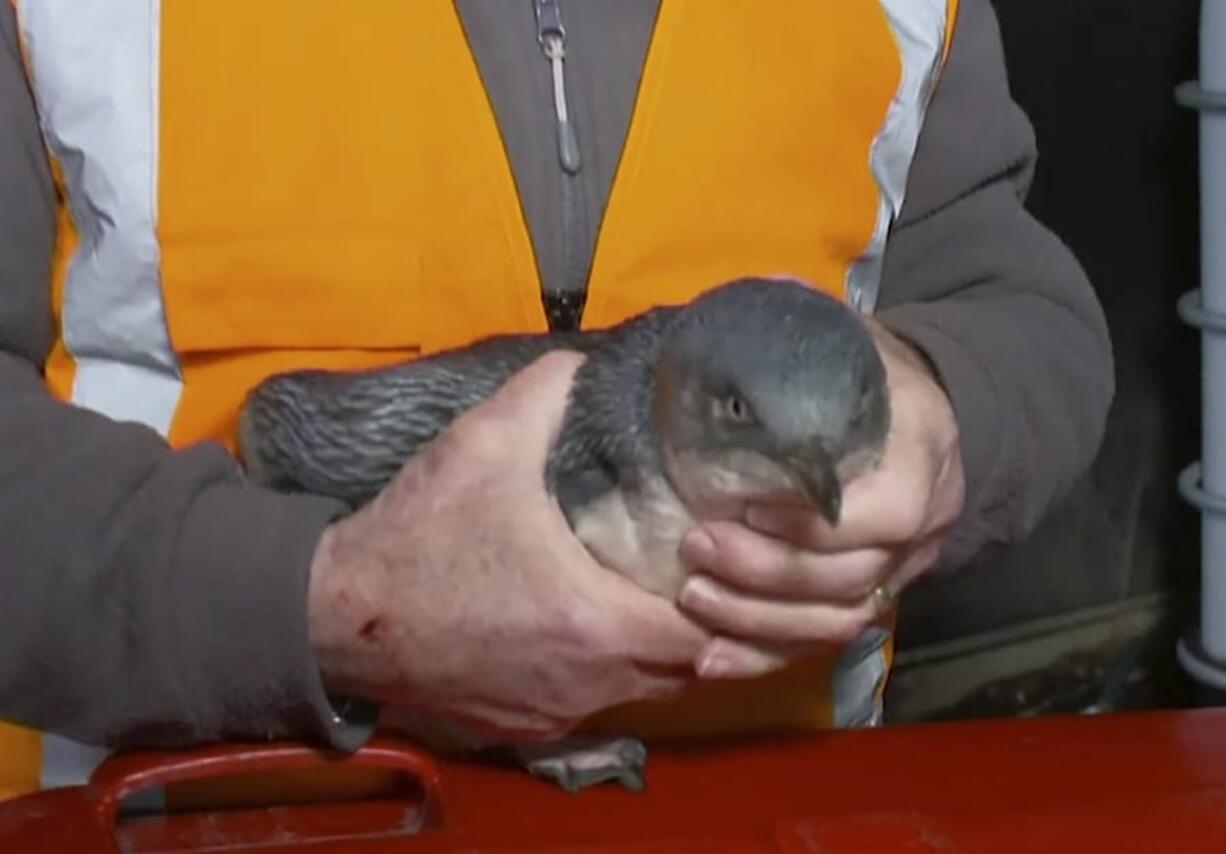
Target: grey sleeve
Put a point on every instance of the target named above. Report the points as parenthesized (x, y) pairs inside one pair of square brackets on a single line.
[(997, 303), (147, 596)]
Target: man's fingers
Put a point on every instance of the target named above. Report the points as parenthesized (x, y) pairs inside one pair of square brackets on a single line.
[(658, 684), (660, 634), (504, 723), (920, 558), (879, 509), (722, 609), (644, 627), (772, 567), (627, 682), (520, 423), (728, 658)]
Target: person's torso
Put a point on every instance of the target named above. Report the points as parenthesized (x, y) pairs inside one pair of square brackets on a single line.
[(257, 187)]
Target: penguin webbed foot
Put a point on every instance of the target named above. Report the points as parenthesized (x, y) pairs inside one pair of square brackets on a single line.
[(579, 763)]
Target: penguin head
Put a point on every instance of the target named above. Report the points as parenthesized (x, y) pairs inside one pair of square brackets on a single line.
[(769, 389)]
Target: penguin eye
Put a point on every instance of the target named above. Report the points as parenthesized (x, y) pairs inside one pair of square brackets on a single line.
[(736, 408)]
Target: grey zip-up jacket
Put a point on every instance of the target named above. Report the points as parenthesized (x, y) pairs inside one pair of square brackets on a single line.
[(150, 596)]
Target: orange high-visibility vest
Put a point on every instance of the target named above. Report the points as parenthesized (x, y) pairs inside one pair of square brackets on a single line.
[(257, 187)]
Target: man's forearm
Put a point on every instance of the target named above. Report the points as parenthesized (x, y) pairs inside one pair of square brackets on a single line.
[(1025, 360), (995, 301), (147, 595)]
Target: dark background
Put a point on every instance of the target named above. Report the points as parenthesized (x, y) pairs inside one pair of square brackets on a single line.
[(1117, 180)]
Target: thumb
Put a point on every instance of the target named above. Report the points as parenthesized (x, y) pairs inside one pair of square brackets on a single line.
[(534, 401), (648, 626)]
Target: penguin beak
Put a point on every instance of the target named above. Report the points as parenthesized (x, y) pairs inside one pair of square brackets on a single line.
[(820, 483)]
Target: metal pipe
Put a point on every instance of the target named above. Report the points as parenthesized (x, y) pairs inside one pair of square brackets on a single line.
[(1202, 651)]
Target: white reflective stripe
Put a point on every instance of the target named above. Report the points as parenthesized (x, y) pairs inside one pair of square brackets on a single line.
[(919, 28), (66, 762), (94, 71), (126, 392), (858, 680)]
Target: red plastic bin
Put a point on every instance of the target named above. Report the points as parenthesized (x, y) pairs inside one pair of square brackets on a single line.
[(1116, 783)]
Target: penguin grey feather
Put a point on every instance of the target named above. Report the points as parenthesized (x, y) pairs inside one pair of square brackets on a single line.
[(757, 390)]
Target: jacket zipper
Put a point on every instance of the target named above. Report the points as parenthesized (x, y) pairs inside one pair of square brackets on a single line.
[(564, 302)]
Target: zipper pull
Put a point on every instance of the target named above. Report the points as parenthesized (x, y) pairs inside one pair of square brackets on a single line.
[(552, 37)]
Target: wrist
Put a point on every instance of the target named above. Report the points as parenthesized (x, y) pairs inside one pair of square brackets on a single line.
[(335, 612), (335, 618), (919, 396), (897, 350), (910, 368)]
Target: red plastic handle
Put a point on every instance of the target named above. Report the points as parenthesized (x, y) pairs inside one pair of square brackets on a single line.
[(126, 774)]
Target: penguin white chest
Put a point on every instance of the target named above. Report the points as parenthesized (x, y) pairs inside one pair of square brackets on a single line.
[(639, 535)]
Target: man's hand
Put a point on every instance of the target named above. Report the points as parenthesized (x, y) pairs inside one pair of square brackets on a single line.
[(461, 592), (786, 581)]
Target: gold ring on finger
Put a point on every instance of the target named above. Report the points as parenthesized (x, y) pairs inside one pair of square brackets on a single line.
[(884, 599)]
